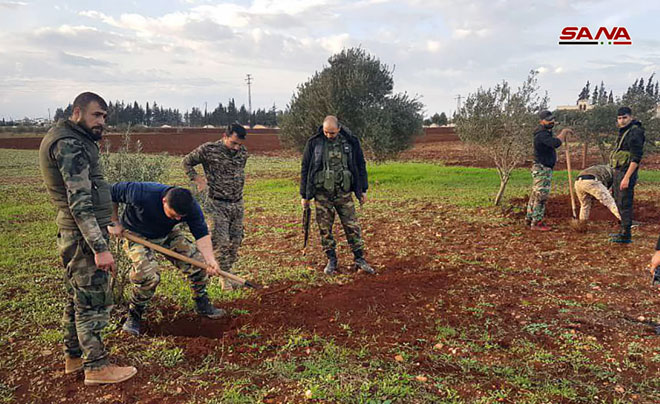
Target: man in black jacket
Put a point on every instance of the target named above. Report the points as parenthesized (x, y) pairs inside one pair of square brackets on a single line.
[(624, 160), (333, 168), (545, 158)]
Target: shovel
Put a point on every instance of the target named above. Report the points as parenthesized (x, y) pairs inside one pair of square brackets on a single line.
[(130, 236)]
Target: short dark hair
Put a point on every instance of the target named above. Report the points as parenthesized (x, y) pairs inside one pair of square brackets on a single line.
[(181, 200), (83, 100), (236, 128), (624, 111)]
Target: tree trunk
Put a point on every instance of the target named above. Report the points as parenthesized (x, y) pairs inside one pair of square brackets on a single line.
[(504, 179)]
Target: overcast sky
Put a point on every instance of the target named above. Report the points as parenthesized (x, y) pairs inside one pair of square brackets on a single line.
[(183, 53)]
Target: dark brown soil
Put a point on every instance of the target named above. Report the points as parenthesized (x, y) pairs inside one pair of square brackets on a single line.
[(559, 207)]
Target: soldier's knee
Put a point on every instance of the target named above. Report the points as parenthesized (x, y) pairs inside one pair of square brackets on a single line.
[(147, 276)]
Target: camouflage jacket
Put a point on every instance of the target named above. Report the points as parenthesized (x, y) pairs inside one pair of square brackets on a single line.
[(224, 169), (69, 162), (603, 173)]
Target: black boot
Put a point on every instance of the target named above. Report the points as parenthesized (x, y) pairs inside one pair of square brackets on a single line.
[(132, 324), (624, 237), (206, 309), (331, 266), (361, 263)]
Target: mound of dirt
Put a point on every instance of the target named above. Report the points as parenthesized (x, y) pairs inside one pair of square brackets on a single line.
[(559, 207)]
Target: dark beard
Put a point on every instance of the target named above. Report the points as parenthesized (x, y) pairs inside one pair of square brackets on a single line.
[(90, 131), (549, 126)]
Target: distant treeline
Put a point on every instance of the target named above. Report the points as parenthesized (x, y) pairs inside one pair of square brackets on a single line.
[(122, 114)]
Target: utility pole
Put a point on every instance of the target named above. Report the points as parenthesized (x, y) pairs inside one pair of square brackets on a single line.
[(249, 84)]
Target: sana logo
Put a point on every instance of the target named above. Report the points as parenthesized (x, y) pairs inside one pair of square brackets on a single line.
[(604, 36)]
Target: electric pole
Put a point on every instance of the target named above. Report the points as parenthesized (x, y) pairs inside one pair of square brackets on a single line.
[(249, 84)]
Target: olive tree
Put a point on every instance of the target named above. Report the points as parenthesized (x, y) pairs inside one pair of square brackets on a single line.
[(358, 89), (498, 123)]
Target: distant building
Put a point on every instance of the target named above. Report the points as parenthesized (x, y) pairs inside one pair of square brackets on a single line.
[(581, 105)]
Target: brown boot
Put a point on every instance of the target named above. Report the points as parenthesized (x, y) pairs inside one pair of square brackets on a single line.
[(108, 374), (72, 365)]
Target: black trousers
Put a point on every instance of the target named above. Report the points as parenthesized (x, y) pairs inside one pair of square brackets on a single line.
[(624, 199)]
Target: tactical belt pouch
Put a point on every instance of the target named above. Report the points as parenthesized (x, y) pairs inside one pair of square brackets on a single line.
[(346, 180), (620, 158)]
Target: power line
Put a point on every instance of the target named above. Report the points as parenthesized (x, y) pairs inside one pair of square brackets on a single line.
[(249, 84)]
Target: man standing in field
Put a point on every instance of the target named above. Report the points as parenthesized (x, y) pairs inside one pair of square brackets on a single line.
[(152, 212), (625, 160), (333, 168), (594, 183), (545, 158), (69, 161), (224, 175)]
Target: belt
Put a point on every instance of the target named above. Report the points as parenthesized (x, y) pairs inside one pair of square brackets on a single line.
[(586, 177), (228, 200)]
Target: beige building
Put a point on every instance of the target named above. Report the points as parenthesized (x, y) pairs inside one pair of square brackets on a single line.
[(582, 105)]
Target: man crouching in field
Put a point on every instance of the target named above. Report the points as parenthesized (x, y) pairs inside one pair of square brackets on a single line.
[(152, 210), (69, 161)]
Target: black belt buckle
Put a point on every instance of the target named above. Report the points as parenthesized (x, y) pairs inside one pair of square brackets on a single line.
[(586, 177)]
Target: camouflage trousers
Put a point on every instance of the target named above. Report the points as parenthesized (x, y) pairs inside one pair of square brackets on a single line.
[(588, 190), (145, 273), (326, 205), (89, 300), (542, 179), (227, 231)]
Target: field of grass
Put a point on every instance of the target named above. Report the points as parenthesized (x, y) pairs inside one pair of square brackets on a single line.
[(541, 360)]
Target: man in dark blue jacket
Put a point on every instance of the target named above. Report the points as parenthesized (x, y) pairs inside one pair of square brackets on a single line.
[(333, 169), (625, 160), (545, 158), (152, 211)]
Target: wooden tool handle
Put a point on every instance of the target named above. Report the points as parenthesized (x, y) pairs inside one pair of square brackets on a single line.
[(130, 236)]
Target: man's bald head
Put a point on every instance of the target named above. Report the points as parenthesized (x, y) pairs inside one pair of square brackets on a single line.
[(330, 126)]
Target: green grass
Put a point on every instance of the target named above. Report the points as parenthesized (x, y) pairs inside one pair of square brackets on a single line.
[(300, 363)]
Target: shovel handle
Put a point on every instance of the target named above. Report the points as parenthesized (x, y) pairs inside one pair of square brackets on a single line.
[(130, 236)]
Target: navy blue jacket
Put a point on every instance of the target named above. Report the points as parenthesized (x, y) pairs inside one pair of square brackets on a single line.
[(144, 214), (544, 147)]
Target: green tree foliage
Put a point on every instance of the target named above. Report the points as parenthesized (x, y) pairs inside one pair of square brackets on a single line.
[(499, 122), (438, 119), (597, 126), (358, 89), (123, 115)]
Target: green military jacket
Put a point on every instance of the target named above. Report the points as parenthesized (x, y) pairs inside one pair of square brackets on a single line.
[(69, 162)]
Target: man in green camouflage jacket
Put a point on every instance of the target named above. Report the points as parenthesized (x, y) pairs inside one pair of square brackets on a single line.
[(224, 170), (69, 161)]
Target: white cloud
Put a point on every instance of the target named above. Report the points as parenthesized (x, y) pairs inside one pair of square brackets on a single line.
[(12, 4), (433, 46), (190, 50)]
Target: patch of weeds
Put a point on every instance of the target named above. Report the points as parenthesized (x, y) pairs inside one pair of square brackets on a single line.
[(50, 337), (160, 352), (537, 328)]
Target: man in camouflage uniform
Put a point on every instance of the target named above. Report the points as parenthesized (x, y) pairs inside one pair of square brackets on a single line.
[(69, 161), (224, 169), (625, 160), (545, 158), (594, 183), (153, 212), (333, 168)]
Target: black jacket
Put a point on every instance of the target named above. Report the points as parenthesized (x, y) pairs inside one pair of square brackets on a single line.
[(544, 147), (313, 162), (634, 141)]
